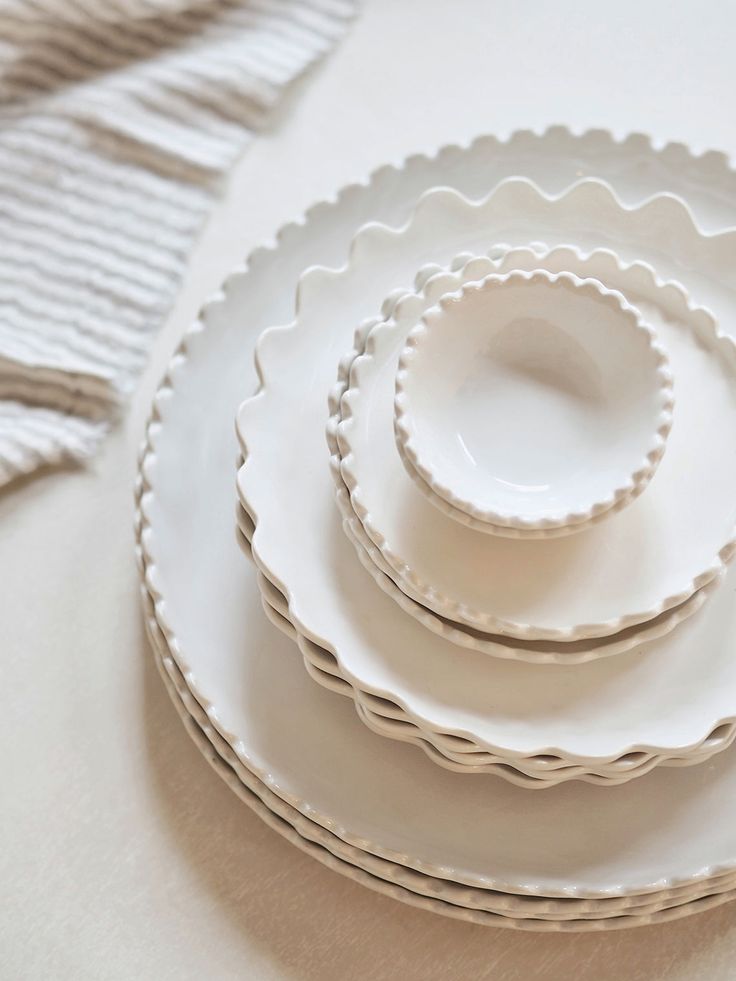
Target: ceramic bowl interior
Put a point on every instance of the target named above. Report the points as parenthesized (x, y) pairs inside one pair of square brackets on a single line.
[(533, 399)]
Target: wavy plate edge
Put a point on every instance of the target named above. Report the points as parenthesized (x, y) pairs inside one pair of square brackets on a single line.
[(715, 160)]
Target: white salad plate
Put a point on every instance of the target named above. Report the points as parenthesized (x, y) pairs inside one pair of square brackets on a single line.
[(387, 718), (662, 832), (601, 263), (614, 707), (567, 589), (384, 718), (533, 402)]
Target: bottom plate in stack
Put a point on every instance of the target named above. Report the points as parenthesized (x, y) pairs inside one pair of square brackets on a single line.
[(267, 662), (487, 907), (576, 857)]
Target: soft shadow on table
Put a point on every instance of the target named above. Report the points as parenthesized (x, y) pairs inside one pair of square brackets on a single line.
[(316, 925), (32, 484)]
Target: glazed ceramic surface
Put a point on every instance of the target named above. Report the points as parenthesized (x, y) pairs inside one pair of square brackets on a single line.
[(404, 883), (563, 590), (512, 710), (386, 718), (533, 401), (309, 749), (673, 821), (283, 817), (434, 285), (415, 888)]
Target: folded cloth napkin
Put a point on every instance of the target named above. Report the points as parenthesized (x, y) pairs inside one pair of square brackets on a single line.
[(117, 118)]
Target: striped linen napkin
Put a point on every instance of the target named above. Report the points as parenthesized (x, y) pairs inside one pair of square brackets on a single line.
[(117, 119)]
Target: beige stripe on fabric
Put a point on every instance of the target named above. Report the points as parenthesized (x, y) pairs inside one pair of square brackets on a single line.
[(117, 120)]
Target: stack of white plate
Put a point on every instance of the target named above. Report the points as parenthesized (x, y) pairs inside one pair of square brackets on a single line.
[(487, 482)]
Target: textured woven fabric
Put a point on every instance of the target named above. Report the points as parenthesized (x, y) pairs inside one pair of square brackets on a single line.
[(117, 119)]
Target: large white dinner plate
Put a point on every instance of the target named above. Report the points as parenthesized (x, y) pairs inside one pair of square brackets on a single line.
[(415, 888), (437, 895), (615, 707), (663, 829)]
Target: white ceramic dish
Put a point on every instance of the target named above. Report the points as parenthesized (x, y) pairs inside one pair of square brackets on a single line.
[(270, 650), (387, 719), (533, 401), (415, 888), (535, 652), (316, 840), (436, 279), (677, 828), (504, 708), (433, 284), (567, 589), (541, 907)]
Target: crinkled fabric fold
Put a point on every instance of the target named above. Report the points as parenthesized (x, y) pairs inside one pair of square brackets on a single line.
[(117, 120)]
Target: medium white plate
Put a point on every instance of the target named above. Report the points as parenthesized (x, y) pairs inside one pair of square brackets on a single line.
[(651, 833), (387, 718), (509, 709), (601, 263)]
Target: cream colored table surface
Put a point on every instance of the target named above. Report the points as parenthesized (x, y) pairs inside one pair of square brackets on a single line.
[(122, 853)]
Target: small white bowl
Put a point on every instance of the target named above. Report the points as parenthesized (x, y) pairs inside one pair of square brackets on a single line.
[(533, 402)]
